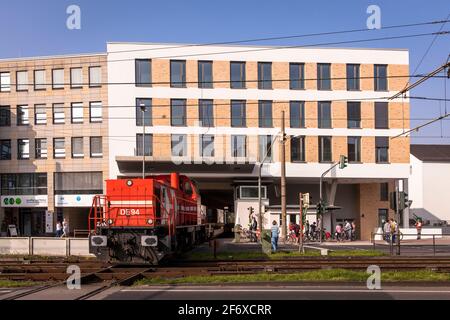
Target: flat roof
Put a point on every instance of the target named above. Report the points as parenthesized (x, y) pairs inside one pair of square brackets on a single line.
[(431, 152), (62, 56), (227, 44)]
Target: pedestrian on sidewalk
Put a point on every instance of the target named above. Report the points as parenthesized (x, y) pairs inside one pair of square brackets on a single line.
[(348, 230), (58, 229), (275, 234), (353, 230), (419, 228), (253, 229), (65, 229), (387, 231)]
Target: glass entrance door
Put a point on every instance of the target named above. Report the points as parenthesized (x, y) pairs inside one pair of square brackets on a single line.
[(32, 222)]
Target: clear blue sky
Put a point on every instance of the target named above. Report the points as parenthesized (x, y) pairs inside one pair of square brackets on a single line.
[(39, 28)]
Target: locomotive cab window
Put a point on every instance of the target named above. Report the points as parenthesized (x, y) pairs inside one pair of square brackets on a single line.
[(188, 188)]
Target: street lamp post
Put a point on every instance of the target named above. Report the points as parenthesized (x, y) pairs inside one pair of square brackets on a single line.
[(260, 218), (143, 109)]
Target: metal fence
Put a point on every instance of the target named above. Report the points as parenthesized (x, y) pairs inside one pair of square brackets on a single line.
[(432, 240)]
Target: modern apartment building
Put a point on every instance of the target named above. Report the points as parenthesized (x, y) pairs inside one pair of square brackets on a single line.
[(215, 113), (53, 140)]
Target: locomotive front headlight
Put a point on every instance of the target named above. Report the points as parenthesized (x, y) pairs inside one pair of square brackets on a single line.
[(150, 221), (129, 183), (110, 221)]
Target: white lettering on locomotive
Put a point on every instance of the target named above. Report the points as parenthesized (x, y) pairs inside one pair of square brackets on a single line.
[(129, 212)]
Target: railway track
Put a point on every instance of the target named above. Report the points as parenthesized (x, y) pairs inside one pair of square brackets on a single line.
[(97, 277)]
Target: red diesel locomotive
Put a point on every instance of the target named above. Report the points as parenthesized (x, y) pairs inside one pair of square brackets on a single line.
[(143, 220)]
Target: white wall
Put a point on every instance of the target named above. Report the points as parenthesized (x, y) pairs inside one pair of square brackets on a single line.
[(429, 190)]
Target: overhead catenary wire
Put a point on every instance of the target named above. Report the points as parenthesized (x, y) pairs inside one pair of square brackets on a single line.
[(67, 105), (151, 84), (430, 45), (327, 33), (446, 32)]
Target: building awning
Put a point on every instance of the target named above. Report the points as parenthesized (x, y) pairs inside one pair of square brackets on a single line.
[(133, 165)]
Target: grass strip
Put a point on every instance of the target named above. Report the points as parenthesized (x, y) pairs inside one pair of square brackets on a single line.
[(338, 275), (281, 254), (17, 284)]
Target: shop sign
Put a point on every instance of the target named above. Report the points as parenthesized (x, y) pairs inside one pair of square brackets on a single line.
[(74, 200), (24, 201)]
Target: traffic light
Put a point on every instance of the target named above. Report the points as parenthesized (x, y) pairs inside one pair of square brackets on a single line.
[(320, 207), (343, 162), (393, 200), (404, 202)]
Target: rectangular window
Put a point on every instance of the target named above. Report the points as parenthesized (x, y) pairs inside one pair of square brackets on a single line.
[(238, 113), (353, 114), (58, 78), (298, 149), (23, 149), (264, 75), (22, 80), (96, 147), (381, 115), (95, 112), (5, 149), (148, 144), (297, 114), (90, 182), (178, 112), (297, 76), (95, 77), (323, 76), (384, 191), (77, 112), (23, 116), (325, 149), (76, 77), (380, 77), (5, 82), (353, 77), (39, 80), (143, 72), (354, 149), (59, 148), (206, 113), (59, 115), (40, 114), (265, 148), (237, 75), (40, 148), (24, 183), (178, 73), (205, 74), (251, 192), (145, 103), (5, 116), (77, 147), (324, 114), (382, 149), (238, 146), (207, 145), (179, 145), (265, 114)]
